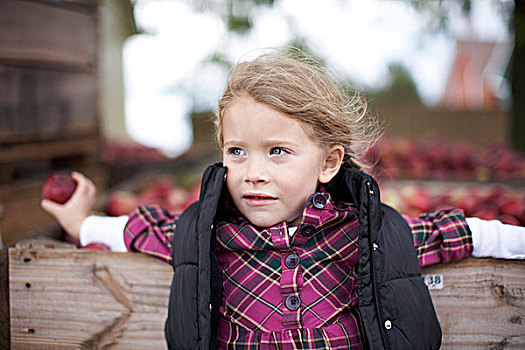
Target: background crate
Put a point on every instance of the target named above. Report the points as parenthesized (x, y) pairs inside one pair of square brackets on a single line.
[(49, 109)]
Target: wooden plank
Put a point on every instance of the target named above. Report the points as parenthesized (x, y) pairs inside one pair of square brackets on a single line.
[(64, 298), (49, 150), (35, 34), (481, 304), (41, 104), (4, 301), (79, 298), (79, 3)]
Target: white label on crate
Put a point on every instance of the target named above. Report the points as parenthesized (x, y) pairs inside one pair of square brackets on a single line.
[(433, 281)]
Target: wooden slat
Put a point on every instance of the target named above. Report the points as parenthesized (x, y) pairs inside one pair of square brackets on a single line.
[(79, 3), (4, 300), (79, 298), (49, 150), (41, 104), (64, 298), (482, 303), (34, 33)]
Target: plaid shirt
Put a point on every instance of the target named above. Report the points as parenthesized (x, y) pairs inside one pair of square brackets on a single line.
[(300, 291)]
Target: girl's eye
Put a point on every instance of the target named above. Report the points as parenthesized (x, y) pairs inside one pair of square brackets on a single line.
[(278, 151), (236, 151)]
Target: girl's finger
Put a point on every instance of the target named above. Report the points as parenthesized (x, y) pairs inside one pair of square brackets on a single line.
[(50, 206)]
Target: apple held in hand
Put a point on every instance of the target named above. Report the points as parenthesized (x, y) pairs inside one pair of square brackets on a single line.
[(59, 187)]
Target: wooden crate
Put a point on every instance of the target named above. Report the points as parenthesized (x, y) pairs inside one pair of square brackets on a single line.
[(481, 304), (64, 298), (48, 71), (48, 103)]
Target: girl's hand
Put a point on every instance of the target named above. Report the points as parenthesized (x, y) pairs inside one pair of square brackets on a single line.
[(71, 214)]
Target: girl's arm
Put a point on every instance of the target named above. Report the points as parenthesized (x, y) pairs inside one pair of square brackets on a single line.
[(148, 229), (497, 240), (441, 236), (106, 230), (447, 235), (71, 214)]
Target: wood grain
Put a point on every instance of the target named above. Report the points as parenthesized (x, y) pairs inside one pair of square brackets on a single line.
[(82, 299), (65, 298), (482, 303), (39, 104), (39, 34)]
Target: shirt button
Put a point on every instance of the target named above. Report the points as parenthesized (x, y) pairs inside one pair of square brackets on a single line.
[(319, 200), (292, 261), (388, 324), (307, 231), (292, 302)]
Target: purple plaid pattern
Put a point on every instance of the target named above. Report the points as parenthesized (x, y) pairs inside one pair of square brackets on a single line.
[(441, 236), (149, 230), (258, 283), (257, 280)]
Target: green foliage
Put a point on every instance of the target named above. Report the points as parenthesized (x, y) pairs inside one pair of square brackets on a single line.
[(239, 24), (299, 48), (220, 59), (401, 91), (438, 11)]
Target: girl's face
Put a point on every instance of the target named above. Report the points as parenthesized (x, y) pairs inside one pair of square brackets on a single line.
[(273, 166)]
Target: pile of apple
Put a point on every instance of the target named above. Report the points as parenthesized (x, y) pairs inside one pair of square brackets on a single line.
[(487, 202), (435, 158), (162, 190), (130, 152)]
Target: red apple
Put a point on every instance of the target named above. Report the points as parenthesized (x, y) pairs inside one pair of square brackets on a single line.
[(96, 246), (509, 220), (59, 187), (486, 213), (121, 203), (511, 206)]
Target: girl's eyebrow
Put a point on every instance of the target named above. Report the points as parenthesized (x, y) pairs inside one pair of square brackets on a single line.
[(233, 142), (264, 142)]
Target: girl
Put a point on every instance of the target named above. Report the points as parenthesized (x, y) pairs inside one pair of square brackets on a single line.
[(289, 245)]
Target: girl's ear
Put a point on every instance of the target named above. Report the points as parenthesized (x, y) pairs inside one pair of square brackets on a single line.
[(332, 163)]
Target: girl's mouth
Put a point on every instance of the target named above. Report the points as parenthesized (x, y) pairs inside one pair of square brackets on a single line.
[(257, 199)]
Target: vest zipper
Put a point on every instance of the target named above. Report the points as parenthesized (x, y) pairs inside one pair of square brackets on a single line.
[(372, 271)]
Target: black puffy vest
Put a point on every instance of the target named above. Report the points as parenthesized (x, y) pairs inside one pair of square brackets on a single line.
[(394, 303)]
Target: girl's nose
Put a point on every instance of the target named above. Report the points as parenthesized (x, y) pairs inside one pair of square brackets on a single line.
[(255, 172)]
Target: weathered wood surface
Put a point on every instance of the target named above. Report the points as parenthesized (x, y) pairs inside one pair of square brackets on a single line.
[(481, 304), (39, 104), (4, 300), (64, 298), (40, 34)]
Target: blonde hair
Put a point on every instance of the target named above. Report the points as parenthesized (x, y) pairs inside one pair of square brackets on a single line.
[(299, 87)]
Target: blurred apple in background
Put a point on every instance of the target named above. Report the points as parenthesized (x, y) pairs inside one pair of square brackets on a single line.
[(121, 203), (433, 157), (96, 246)]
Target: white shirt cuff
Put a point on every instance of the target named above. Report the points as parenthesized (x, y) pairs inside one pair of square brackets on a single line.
[(496, 240), (104, 229)]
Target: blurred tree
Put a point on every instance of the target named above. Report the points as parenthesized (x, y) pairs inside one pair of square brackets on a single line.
[(401, 90), (236, 14), (518, 77)]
